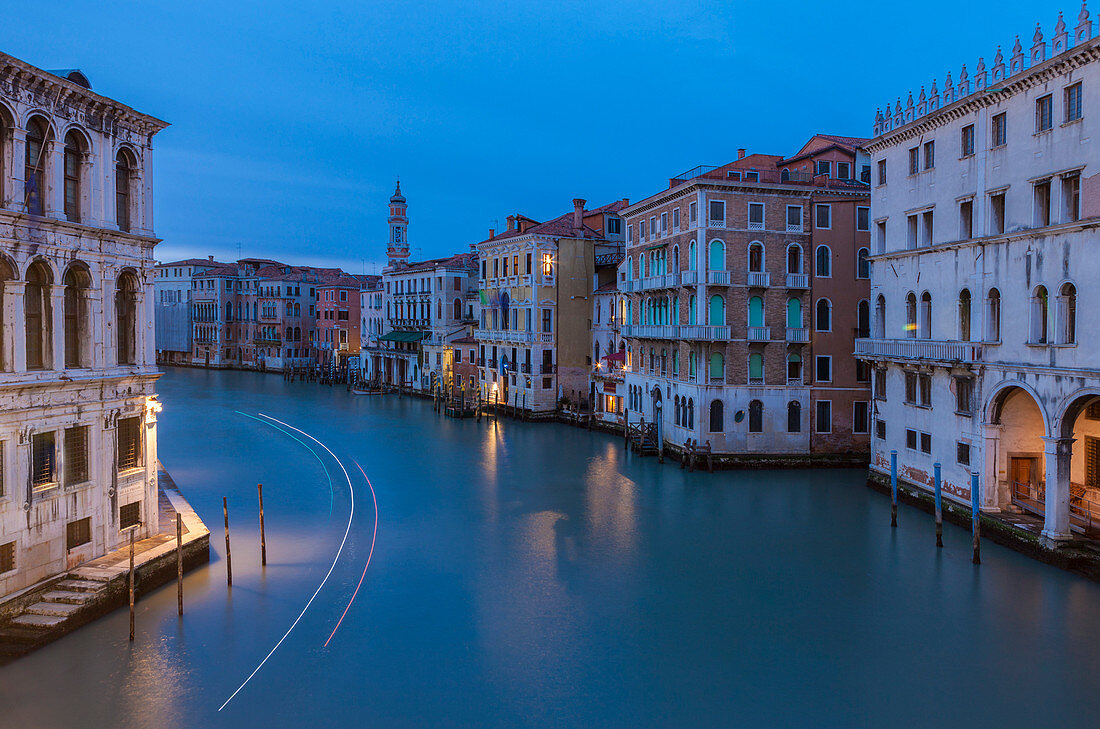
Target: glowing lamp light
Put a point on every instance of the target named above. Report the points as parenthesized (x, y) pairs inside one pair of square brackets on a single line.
[(153, 405)]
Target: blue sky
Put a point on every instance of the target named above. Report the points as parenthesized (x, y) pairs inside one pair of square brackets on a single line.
[(291, 121)]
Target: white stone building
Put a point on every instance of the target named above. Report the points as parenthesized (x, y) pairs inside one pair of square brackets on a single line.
[(78, 448), (985, 204), (172, 287)]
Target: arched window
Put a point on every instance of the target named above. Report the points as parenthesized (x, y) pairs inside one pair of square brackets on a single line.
[(756, 257), (964, 315), (794, 313), (126, 318), (785, 175), (756, 417), (863, 266), (824, 319), (716, 425), (717, 366), (74, 163), (824, 262), (691, 310), (595, 352), (38, 315), (439, 309), (297, 334), (691, 256), (456, 309), (289, 334), (691, 412), (880, 317), (717, 258), (794, 417), (229, 311), (35, 170), (911, 315), (756, 369), (676, 410), (863, 319), (717, 311), (691, 365), (77, 282), (676, 257), (794, 258), (756, 311), (794, 369), (1067, 314), (1040, 308), (124, 166), (926, 315)]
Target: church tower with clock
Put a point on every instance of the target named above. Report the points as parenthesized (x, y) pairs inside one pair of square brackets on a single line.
[(397, 250)]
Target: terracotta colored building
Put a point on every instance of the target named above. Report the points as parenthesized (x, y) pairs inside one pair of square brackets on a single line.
[(337, 322)]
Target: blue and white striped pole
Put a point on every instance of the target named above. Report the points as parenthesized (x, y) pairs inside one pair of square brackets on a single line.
[(939, 507), (976, 516), (893, 488)]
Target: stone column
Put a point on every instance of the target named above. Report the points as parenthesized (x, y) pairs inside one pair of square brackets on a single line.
[(53, 179), (108, 341), (1058, 454), (56, 356), (14, 328), (993, 497), (14, 192), (151, 513), (144, 354), (93, 300)]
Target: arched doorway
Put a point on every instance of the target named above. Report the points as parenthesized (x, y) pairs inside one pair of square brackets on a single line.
[(1015, 451), (1076, 452)]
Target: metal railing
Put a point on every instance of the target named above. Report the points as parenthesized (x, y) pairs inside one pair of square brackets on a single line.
[(718, 278), (798, 335), (761, 279), (709, 333), (759, 334), (652, 331), (689, 278)]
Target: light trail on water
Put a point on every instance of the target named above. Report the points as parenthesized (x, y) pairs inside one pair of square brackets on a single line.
[(373, 539), (347, 530)]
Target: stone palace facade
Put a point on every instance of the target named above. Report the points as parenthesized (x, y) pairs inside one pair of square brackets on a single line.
[(78, 446)]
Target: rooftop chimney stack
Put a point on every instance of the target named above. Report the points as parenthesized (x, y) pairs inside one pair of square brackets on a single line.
[(578, 214), (492, 233), (211, 257), (511, 223), (741, 154)]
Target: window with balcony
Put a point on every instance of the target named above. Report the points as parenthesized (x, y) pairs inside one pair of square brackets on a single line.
[(794, 218), (912, 231), (964, 315), (756, 369), (794, 369), (926, 228), (794, 259), (911, 315), (863, 319), (880, 317), (756, 216), (756, 257), (926, 315), (756, 311)]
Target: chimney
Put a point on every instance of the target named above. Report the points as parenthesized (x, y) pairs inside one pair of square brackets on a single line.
[(626, 201), (741, 154), (578, 214), (211, 257), (511, 223), (492, 233)]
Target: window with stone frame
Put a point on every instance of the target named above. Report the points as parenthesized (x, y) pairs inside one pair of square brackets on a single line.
[(129, 443), (129, 515), (43, 460), (78, 533), (76, 455), (1072, 111), (964, 395), (7, 557)]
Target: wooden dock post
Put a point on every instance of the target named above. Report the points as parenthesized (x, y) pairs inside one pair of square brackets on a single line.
[(263, 539), (228, 556), (976, 516), (179, 562), (893, 488), (132, 530), (626, 428), (939, 506)]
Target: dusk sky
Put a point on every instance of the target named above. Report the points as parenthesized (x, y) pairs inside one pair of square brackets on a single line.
[(291, 121)]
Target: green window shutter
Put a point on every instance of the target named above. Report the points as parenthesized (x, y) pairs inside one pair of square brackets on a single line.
[(756, 366)]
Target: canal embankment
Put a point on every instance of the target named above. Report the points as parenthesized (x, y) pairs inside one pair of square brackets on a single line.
[(42, 613), (1020, 532)]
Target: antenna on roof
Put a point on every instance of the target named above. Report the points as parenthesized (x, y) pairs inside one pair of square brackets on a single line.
[(238, 250)]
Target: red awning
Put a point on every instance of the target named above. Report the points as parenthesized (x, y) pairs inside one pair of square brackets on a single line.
[(619, 356)]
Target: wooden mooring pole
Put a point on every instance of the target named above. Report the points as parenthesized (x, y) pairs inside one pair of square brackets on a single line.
[(179, 562), (976, 517), (893, 488), (263, 539), (939, 506), (132, 529), (228, 555)]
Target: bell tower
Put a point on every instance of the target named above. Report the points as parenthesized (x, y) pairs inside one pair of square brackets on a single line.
[(397, 249)]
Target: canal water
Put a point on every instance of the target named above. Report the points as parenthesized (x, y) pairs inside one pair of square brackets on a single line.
[(537, 575)]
